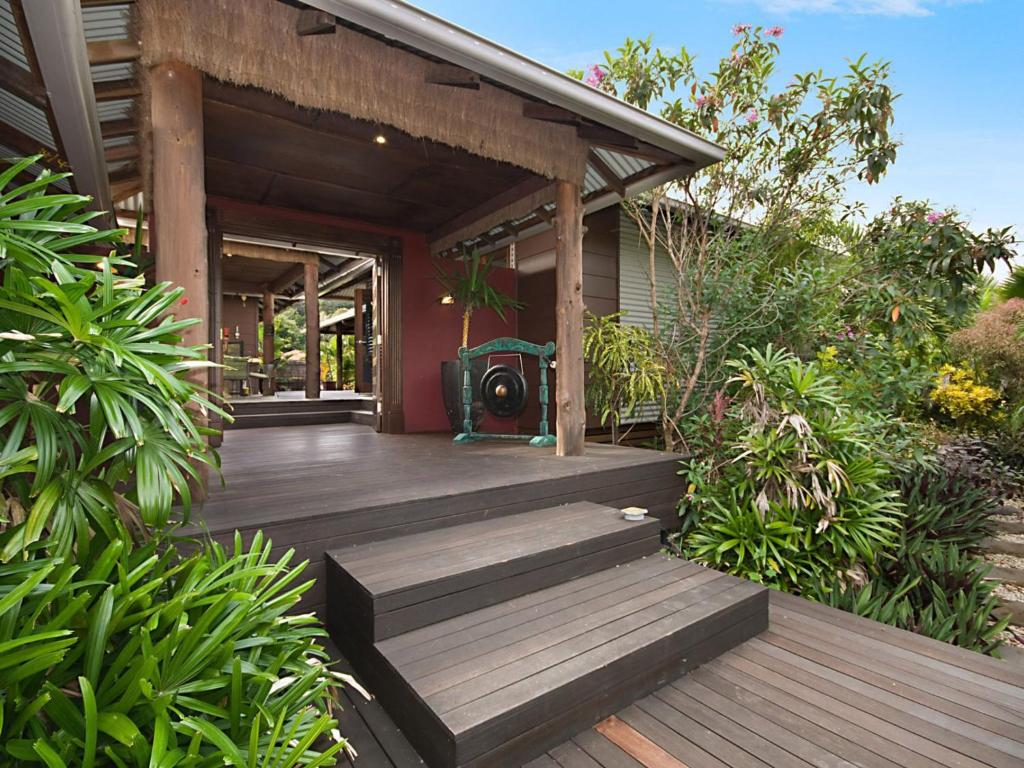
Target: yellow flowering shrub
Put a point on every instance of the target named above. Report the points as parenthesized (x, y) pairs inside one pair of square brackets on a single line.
[(828, 358), (959, 396)]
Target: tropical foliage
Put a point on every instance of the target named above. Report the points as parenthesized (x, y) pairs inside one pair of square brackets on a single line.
[(470, 287), (795, 490), (812, 356), (120, 646), (625, 372)]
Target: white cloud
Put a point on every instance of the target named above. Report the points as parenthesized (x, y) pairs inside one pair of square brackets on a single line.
[(862, 7)]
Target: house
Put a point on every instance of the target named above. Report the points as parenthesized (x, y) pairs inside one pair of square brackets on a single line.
[(491, 595)]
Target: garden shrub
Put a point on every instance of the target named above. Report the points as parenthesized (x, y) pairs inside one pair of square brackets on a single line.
[(990, 463), (144, 656), (933, 582), (118, 649), (958, 395), (994, 345), (797, 489), (941, 592)]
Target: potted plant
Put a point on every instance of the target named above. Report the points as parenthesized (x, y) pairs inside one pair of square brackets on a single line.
[(468, 286)]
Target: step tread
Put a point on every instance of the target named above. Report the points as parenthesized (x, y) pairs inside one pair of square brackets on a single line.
[(493, 673), (392, 566)]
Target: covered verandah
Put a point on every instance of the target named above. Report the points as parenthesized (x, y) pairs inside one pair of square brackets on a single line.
[(375, 131)]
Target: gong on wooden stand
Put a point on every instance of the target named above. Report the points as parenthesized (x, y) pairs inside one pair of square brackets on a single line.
[(503, 389)]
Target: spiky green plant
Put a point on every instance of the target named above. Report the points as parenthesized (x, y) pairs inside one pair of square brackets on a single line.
[(96, 412), (116, 648), (470, 287)]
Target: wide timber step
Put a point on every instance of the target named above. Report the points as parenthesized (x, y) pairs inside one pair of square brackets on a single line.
[(500, 685), (287, 411), (394, 586)]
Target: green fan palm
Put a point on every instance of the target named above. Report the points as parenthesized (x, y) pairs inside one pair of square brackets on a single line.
[(1013, 287)]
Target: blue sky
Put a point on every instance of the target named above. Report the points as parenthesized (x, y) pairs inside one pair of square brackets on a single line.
[(959, 65)]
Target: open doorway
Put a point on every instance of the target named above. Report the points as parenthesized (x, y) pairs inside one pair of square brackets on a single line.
[(295, 327)]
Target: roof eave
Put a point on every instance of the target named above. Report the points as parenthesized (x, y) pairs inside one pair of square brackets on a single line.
[(411, 26)]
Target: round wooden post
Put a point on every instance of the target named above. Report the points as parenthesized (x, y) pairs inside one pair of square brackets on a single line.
[(268, 341), (179, 193), (179, 205), (571, 415), (312, 298)]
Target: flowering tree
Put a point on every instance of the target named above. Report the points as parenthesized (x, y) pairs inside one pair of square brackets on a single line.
[(762, 246)]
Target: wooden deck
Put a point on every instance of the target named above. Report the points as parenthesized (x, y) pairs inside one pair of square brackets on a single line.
[(819, 688), (322, 487)]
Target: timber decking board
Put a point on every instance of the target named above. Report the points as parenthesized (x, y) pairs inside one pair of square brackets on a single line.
[(336, 469), (497, 683), (745, 699), (398, 585)]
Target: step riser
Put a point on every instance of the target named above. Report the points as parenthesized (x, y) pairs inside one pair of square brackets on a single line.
[(261, 408), (345, 595), (289, 419), (394, 588), (549, 719), (366, 418), (647, 670)]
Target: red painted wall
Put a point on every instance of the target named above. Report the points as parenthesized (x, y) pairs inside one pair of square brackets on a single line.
[(432, 332)]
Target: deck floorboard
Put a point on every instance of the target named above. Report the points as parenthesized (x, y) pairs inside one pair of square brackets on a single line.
[(820, 688)]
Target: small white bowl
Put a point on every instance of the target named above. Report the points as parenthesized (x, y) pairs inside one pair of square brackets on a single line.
[(634, 514)]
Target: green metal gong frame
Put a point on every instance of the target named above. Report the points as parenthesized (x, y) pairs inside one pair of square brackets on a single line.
[(505, 345)]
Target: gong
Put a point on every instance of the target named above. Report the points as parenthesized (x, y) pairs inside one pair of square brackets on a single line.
[(503, 390)]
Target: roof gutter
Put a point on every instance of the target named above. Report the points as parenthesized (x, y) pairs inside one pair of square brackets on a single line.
[(416, 28)]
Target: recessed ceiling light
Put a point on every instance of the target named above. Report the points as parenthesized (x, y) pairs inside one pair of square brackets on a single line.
[(380, 138)]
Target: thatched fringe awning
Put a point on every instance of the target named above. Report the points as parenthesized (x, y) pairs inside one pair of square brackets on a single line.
[(254, 43)]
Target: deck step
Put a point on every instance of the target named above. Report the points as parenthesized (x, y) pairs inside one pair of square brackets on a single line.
[(500, 685), (265, 405), (395, 586), (293, 418), (368, 418)]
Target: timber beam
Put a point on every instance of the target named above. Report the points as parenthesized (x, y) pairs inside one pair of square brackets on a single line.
[(269, 253), (113, 51), (21, 83), (314, 22), (610, 177), (455, 77)]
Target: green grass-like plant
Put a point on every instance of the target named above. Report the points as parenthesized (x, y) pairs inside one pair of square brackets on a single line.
[(118, 647)]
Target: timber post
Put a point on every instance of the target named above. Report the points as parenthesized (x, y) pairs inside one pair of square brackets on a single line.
[(268, 342), (179, 205), (311, 281), (569, 380), (179, 194)]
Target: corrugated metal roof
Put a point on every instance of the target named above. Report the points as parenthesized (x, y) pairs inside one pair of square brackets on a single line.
[(622, 164), (27, 118), (106, 22), (593, 181), (114, 110), (10, 41), (105, 73)]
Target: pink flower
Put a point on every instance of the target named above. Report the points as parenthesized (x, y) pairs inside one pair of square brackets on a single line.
[(739, 29), (595, 75), (933, 217), (774, 31), (752, 116), (701, 101)]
